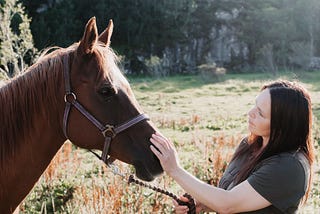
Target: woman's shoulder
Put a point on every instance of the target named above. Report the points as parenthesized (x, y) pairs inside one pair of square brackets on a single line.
[(288, 160), (282, 179), (283, 167)]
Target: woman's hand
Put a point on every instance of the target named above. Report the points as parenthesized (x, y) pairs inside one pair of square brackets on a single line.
[(166, 153), (182, 209)]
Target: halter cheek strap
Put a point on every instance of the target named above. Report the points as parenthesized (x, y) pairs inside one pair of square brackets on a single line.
[(108, 131)]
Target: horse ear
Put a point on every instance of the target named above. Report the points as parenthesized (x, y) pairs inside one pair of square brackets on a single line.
[(105, 36), (89, 37)]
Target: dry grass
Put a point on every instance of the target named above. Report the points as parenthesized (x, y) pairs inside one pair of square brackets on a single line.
[(205, 121)]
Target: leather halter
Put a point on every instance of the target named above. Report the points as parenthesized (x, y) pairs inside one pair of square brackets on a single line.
[(108, 131)]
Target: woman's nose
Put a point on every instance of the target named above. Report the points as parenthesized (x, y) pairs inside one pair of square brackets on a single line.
[(251, 113)]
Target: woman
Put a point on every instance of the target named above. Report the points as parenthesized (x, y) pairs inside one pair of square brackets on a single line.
[(270, 170)]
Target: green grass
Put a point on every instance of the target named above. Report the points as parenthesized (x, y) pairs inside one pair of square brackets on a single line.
[(204, 120), (223, 104)]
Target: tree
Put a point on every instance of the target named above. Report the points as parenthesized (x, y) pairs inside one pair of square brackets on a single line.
[(282, 29), (272, 32), (16, 42)]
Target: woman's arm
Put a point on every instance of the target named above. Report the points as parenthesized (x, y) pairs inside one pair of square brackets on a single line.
[(239, 199)]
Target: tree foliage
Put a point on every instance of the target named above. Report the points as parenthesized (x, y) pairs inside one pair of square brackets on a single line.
[(277, 33), (16, 43), (280, 26)]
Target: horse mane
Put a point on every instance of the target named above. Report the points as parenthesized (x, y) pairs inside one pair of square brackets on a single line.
[(31, 95), (28, 96)]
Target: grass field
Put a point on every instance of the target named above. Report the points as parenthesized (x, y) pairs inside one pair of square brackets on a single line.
[(205, 119)]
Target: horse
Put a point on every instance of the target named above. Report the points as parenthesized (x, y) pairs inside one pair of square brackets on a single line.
[(79, 94)]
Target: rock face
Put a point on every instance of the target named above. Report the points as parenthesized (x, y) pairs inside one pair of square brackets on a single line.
[(314, 64), (220, 47)]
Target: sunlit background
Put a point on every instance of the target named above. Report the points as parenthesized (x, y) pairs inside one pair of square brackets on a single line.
[(195, 67)]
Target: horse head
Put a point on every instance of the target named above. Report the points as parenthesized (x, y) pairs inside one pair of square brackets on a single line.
[(98, 86)]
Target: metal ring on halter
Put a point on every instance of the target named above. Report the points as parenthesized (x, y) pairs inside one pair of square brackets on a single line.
[(74, 97), (109, 131)]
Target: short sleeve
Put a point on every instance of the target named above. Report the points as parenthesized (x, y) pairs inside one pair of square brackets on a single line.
[(281, 179)]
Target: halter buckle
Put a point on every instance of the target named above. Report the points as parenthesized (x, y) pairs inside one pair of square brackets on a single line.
[(72, 96), (109, 131)]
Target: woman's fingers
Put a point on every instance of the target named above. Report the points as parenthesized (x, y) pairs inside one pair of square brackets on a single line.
[(161, 143), (168, 142), (161, 140), (182, 198), (179, 208), (158, 145), (155, 151), (164, 152)]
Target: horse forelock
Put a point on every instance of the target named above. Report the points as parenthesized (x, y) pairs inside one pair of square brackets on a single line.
[(28, 97), (109, 63)]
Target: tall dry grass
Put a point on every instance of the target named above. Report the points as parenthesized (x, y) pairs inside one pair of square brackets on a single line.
[(98, 190)]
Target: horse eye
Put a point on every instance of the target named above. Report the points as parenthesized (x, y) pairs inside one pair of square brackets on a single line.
[(106, 91)]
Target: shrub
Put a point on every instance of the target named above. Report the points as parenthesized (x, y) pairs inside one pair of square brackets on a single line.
[(211, 73)]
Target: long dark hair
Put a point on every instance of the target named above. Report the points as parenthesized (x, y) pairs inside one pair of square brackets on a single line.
[(290, 128)]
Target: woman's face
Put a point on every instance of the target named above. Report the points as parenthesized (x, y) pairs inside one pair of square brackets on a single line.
[(259, 116)]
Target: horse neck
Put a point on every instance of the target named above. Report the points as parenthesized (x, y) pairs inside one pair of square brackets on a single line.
[(31, 133)]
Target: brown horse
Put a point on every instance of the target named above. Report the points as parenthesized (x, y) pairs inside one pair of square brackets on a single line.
[(75, 93)]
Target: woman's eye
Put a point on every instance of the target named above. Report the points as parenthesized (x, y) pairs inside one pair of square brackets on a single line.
[(260, 114)]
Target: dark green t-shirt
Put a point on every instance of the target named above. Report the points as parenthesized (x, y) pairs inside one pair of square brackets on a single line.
[(281, 179)]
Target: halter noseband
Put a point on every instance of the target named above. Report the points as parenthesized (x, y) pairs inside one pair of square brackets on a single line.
[(108, 131)]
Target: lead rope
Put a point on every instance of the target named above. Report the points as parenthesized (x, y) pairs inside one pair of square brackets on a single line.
[(191, 205)]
